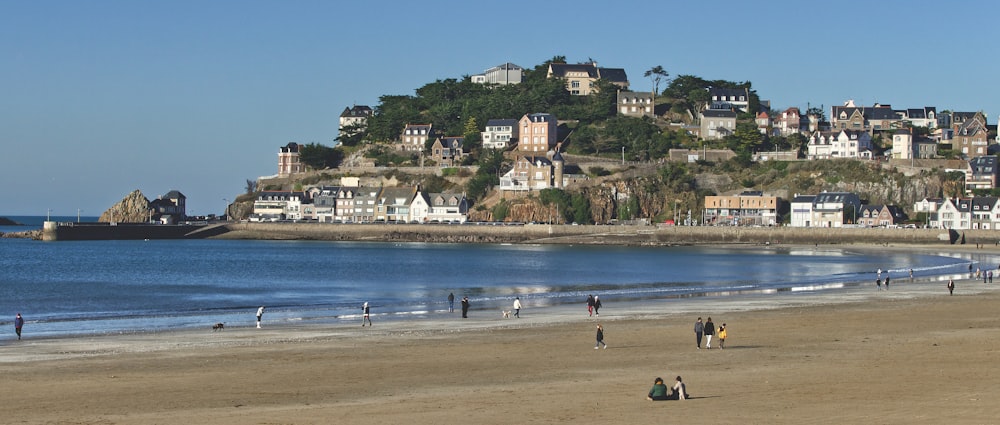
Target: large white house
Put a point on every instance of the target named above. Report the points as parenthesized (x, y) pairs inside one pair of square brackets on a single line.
[(854, 144), (499, 133)]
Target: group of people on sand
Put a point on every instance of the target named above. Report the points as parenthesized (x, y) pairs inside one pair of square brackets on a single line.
[(593, 305), (660, 391), (707, 330)]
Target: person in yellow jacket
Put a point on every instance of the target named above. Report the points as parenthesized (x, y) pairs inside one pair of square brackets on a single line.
[(722, 336)]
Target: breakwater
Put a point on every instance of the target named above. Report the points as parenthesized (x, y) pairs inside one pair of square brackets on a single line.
[(71, 231), (608, 235)]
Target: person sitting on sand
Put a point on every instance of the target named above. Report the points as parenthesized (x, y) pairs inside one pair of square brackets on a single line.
[(659, 390), (680, 391)]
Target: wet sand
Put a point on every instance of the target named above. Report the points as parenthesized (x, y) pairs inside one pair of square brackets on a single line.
[(913, 354)]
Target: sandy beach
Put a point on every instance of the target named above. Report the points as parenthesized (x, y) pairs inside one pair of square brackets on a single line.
[(912, 354)]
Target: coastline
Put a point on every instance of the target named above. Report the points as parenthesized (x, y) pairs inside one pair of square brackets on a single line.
[(910, 354)]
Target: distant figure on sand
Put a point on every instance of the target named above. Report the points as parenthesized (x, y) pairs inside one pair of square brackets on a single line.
[(597, 305), (465, 307), (451, 302), (260, 312), (517, 307), (878, 284), (366, 317), (680, 390), (590, 305), (709, 331), (18, 324), (951, 287), (600, 337), (699, 331), (659, 390), (722, 337), (887, 282), (911, 274)]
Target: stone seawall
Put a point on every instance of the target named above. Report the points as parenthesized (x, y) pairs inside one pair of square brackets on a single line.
[(611, 235)]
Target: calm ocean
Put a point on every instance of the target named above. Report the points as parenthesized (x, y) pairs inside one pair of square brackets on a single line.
[(100, 287)]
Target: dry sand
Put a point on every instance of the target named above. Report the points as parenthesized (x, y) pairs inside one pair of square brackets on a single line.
[(910, 355)]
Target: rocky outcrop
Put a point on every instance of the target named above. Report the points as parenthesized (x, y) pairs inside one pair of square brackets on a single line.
[(133, 209)]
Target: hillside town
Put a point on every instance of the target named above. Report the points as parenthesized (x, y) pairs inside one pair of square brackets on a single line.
[(534, 146)]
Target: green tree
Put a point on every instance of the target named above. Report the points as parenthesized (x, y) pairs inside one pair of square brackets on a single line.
[(319, 157), (352, 135), (656, 74), (581, 209)]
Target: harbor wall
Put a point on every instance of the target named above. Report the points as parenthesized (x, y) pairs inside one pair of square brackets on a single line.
[(55, 231), (616, 235)]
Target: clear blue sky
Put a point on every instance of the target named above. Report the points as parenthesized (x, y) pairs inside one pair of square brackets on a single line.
[(101, 98)]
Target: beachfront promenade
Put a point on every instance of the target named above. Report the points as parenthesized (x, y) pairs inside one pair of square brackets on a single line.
[(611, 235)]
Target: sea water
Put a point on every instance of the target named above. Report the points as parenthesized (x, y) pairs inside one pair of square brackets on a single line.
[(106, 287)]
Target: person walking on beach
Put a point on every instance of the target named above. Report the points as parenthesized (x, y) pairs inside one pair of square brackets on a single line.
[(878, 284), (709, 331), (886, 281), (597, 305), (990, 273), (366, 317), (260, 312), (451, 302), (590, 305), (18, 324), (517, 307), (722, 337), (465, 307), (911, 274), (699, 331), (951, 287), (600, 337)]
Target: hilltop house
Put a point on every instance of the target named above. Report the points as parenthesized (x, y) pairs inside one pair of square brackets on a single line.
[(635, 104), (971, 136), (504, 74), (534, 173), (537, 133), (580, 78), (288, 160), (853, 144), (732, 99), (447, 151), (354, 119), (717, 123), (499, 134), (981, 173), (414, 137)]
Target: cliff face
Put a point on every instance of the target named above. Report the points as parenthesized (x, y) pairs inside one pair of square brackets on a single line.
[(605, 199), (134, 208)]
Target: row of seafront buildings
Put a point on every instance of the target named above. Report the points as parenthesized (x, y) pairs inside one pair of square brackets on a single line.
[(352, 203), (839, 209), (827, 209)]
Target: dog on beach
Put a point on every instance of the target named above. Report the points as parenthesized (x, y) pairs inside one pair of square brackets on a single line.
[(218, 327), (506, 314)]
